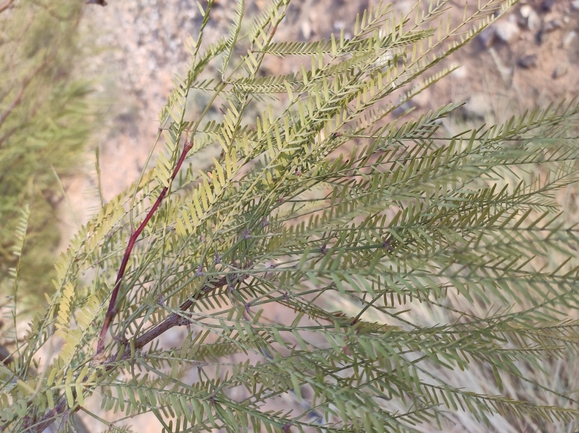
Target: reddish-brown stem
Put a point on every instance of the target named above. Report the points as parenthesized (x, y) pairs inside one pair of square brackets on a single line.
[(177, 318), (111, 311)]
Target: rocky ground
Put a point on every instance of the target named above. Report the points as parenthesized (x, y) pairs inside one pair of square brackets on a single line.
[(529, 57)]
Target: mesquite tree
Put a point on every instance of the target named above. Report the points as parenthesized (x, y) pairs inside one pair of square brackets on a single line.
[(333, 270)]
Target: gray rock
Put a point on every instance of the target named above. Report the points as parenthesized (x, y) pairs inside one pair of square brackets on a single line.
[(547, 5), (551, 25), (560, 70), (530, 18), (487, 36), (568, 39), (506, 30), (525, 11), (528, 61)]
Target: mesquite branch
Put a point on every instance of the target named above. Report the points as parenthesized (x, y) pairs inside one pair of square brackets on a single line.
[(111, 311), (34, 425)]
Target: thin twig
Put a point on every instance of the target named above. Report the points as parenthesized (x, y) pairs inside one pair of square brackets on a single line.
[(175, 319), (34, 425), (18, 97), (111, 311), (14, 102)]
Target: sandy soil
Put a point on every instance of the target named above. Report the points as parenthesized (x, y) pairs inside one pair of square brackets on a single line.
[(529, 57)]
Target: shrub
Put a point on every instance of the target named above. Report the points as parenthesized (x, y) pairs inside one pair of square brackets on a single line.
[(44, 125), (359, 267)]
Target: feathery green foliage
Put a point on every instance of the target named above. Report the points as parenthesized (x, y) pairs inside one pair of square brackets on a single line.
[(334, 271), (44, 124)]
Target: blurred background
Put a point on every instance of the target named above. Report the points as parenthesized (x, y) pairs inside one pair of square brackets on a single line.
[(527, 58)]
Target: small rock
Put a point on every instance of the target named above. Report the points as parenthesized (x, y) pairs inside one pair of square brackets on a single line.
[(530, 18), (306, 29), (560, 70), (528, 61), (506, 30), (551, 25), (525, 11), (547, 5), (575, 5), (568, 39), (487, 36), (534, 22)]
